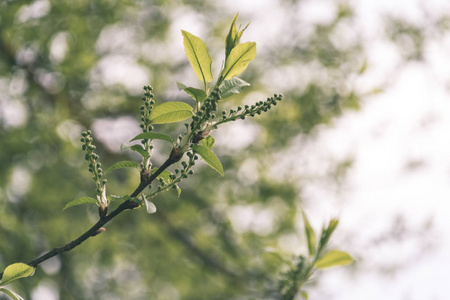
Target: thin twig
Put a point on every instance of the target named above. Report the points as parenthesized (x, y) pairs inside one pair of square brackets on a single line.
[(94, 230)]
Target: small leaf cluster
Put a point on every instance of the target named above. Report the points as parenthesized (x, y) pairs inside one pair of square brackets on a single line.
[(95, 168), (249, 111), (302, 268), (146, 126)]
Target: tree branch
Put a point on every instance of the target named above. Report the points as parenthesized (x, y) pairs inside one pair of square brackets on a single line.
[(94, 230)]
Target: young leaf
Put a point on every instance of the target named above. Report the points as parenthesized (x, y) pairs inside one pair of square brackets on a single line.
[(197, 94), (152, 136), (178, 191), (310, 236), (209, 157), (208, 142), (231, 36), (198, 56), (137, 148), (10, 293), (170, 112), (16, 271), (231, 87), (326, 234), (79, 201), (123, 164), (334, 258), (234, 37), (238, 60)]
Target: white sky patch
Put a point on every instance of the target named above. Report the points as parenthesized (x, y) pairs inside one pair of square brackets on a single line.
[(46, 290), (401, 147), (113, 132), (121, 70), (58, 47), (255, 218), (35, 10), (121, 39), (19, 185), (236, 135)]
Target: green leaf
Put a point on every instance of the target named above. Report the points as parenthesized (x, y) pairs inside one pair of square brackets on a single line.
[(231, 87), (152, 136), (197, 94), (198, 56), (136, 148), (310, 236), (178, 191), (10, 293), (238, 60), (79, 201), (304, 295), (123, 164), (16, 271), (208, 142), (165, 175), (334, 258), (326, 234), (112, 198), (209, 157), (231, 36), (170, 112), (234, 37), (280, 257)]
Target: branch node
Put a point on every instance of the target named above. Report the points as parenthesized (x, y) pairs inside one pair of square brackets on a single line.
[(98, 231)]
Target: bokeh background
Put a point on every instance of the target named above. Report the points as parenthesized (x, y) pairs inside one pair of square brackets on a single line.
[(362, 134)]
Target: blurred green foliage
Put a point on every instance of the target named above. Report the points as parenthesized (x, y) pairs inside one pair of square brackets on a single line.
[(61, 71)]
